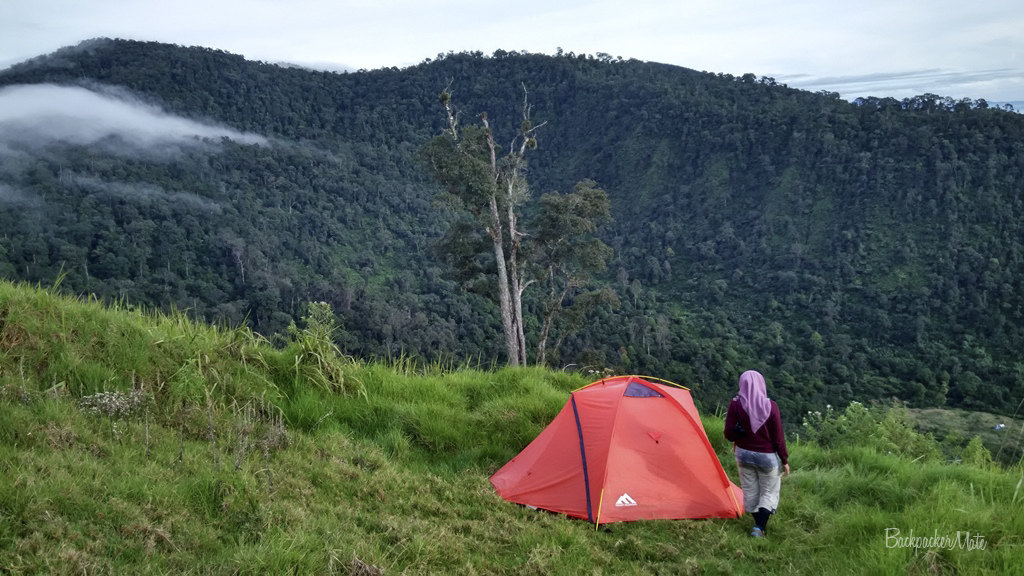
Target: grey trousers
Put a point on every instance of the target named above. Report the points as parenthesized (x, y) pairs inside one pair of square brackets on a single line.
[(761, 481)]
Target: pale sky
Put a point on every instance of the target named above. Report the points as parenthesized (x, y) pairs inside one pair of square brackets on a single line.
[(881, 48)]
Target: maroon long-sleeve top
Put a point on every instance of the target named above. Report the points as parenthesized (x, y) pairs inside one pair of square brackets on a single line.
[(768, 438)]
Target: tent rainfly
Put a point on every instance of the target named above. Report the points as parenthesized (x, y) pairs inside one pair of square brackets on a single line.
[(622, 449)]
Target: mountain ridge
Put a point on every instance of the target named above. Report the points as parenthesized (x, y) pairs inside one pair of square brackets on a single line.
[(849, 250)]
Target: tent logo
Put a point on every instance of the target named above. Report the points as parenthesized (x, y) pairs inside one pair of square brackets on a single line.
[(625, 500)]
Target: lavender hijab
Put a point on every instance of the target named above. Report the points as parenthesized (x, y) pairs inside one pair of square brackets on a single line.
[(754, 399)]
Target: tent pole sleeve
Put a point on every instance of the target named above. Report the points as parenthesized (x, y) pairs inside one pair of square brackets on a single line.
[(664, 381), (735, 504), (583, 456)]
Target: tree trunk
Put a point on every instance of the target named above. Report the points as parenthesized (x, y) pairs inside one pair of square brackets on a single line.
[(549, 317), (504, 298), (542, 343), (517, 279), (511, 313)]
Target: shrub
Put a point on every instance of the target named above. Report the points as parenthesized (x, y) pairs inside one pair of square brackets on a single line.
[(885, 428), (975, 454)]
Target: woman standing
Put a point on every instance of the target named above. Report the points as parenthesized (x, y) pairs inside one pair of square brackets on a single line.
[(754, 425)]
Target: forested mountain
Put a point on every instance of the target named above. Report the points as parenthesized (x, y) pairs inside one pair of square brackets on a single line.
[(848, 250)]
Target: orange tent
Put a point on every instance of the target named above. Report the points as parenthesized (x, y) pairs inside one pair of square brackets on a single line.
[(623, 448)]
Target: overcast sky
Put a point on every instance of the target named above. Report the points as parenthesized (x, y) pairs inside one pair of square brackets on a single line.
[(895, 48)]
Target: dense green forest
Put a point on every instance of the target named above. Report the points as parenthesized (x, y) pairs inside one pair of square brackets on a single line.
[(848, 250)]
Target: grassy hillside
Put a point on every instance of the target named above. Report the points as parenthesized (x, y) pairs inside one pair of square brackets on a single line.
[(133, 442), (1002, 436)]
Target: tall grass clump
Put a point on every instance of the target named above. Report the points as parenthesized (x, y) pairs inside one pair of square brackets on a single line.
[(316, 358)]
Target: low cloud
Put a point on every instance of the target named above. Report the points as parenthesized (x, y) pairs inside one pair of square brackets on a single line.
[(906, 83), (143, 191), (12, 162), (10, 196), (41, 115), (318, 66)]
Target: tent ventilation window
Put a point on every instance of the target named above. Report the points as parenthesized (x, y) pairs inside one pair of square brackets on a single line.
[(637, 390)]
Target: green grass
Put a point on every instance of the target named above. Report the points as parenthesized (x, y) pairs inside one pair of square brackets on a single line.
[(229, 460)]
